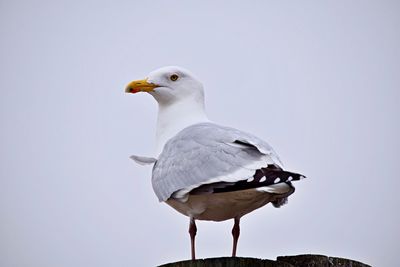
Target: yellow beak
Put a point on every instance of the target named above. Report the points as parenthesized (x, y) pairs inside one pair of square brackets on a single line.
[(140, 86)]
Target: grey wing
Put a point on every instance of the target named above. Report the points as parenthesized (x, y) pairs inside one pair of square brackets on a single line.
[(143, 160), (207, 153)]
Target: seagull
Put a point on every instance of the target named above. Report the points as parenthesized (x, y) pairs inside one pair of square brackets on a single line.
[(204, 170)]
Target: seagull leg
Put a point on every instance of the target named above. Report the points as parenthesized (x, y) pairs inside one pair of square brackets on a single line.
[(235, 234), (192, 232)]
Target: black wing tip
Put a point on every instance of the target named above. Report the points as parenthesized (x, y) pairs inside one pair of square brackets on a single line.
[(270, 175)]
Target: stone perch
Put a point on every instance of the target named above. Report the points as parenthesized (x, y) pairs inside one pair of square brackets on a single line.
[(282, 261)]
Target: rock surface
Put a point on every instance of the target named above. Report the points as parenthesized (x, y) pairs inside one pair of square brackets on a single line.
[(282, 261)]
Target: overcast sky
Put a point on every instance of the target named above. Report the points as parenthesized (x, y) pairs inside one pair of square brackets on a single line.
[(318, 80)]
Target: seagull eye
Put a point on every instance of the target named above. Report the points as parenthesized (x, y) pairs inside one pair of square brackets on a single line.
[(174, 77)]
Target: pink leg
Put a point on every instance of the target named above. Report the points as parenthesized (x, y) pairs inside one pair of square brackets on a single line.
[(192, 232), (235, 234)]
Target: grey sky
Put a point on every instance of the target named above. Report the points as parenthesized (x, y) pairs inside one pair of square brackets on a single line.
[(318, 80)]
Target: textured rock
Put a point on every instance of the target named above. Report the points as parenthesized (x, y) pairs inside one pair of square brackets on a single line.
[(319, 261), (283, 261)]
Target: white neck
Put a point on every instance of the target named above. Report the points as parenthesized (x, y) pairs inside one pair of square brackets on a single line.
[(174, 117)]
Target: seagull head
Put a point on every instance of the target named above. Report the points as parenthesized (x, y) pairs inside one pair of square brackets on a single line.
[(169, 85)]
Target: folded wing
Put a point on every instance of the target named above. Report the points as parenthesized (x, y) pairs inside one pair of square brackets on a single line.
[(209, 158)]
